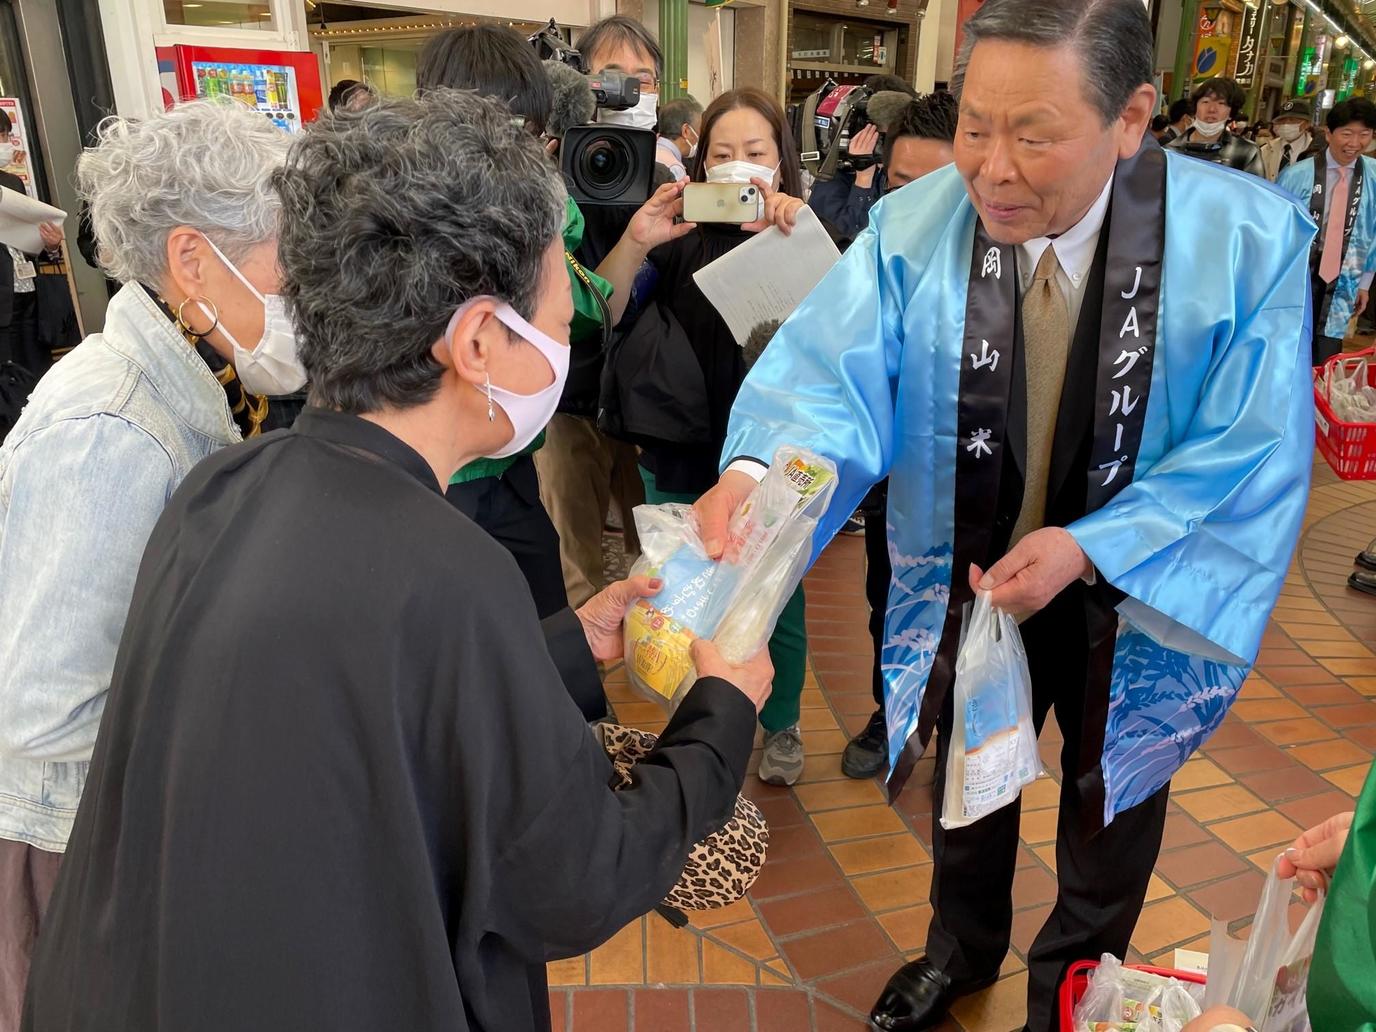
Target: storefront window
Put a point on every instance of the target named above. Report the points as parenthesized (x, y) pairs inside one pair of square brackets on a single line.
[(822, 40), (218, 14)]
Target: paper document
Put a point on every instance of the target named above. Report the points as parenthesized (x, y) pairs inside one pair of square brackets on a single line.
[(767, 277), (20, 217)]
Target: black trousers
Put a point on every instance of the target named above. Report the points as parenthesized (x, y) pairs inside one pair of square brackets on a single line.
[(878, 574), (1101, 878), (509, 509), (1324, 347), (19, 340)]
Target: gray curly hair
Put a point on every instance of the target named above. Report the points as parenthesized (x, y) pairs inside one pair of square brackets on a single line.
[(206, 164), (393, 217)]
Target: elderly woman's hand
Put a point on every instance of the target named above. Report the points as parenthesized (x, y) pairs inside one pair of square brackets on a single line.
[(754, 677), (602, 615), (1314, 855), (780, 210)]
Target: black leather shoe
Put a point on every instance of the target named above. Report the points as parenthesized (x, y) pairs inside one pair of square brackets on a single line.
[(1367, 560), (918, 996), (868, 751), (1363, 580)]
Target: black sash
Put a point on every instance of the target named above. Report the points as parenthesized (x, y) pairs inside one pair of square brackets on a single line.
[(1127, 342), (1316, 203)]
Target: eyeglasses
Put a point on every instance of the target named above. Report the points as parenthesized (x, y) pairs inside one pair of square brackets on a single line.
[(648, 81)]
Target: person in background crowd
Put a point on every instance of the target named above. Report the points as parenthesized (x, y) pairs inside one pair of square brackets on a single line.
[(920, 142), (1292, 124), (745, 139), (106, 438), (679, 124), (1339, 188), (1122, 465), (32, 317), (844, 201), (1160, 125), (1215, 103), (350, 94), (1181, 115), (451, 825), (582, 470), (501, 493)]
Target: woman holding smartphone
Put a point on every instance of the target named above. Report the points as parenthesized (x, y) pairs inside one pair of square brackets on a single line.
[(745, 141)]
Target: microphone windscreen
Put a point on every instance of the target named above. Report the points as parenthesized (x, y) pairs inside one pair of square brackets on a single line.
[(758, 340), (886, 106), (573, 104)]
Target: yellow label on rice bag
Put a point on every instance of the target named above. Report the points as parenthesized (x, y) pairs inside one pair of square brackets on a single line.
[(659, 649)]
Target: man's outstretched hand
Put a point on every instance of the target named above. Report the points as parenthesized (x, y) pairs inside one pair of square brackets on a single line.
[(1036, 570), (715, 509)]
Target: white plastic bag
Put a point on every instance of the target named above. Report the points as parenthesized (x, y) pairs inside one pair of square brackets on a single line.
[(1266, 976), (1120, 998), (993, 750), (735, 601)]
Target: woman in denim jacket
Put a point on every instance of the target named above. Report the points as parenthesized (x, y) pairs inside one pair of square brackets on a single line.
[(187, 222)]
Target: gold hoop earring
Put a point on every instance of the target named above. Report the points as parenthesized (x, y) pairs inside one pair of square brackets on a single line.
[(215, 315)]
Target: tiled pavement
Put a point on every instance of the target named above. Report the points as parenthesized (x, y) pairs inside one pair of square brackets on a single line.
[(843, 898)]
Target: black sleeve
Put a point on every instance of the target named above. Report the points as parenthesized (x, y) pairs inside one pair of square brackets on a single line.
[(567, 643)]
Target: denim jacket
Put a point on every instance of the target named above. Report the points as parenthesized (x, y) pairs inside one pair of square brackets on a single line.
[(105, 439)]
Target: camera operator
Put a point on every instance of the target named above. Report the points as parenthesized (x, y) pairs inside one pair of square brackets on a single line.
[(844, 201), (501, 493)]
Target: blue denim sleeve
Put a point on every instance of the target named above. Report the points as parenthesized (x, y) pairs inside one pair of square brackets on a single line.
[(82, 498)]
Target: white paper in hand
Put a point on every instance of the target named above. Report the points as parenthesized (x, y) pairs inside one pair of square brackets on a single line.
[(20, 217), (768, 276)]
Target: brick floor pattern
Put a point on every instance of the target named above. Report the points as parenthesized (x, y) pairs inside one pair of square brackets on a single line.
[(843, 898)]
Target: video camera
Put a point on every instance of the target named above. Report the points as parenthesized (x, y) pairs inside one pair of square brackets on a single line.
[(841, 112), (601, 163)]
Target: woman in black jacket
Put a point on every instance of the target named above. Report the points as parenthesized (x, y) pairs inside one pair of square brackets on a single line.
[(745, 138)]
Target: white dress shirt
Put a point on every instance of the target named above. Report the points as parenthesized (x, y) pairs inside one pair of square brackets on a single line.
[(1332, 179)]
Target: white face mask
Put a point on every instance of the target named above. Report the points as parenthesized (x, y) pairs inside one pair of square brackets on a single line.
[(645, 115), (740, 172), (693, 143), (1289, 131), (6, 154), (1209, 128), (529, 413), (271, 367)]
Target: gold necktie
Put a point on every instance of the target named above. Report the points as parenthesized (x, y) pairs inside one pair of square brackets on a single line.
[(1046, 345)]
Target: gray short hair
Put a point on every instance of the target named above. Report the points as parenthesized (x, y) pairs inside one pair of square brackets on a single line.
[(395, 215), (674, 115), (206, 164), (1112, 37)]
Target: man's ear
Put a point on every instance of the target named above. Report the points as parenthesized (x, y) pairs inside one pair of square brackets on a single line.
[(1135, 118), (471, 340)]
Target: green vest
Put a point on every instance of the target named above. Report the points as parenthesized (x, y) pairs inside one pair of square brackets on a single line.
[(1342, 980)]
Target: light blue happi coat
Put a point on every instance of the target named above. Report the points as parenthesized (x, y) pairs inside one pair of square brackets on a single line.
[(867, 372), (1360, 255)]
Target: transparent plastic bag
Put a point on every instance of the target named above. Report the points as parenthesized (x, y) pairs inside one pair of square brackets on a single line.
[(1266, 976), (735, 601), (1121, 999), (993, 750)]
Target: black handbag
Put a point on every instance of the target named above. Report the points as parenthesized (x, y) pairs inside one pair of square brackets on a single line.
[(16, 384)]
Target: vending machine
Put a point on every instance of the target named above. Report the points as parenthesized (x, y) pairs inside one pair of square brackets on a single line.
[(284, 85)]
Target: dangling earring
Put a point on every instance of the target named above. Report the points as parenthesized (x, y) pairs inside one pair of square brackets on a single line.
[(186, 326), (491, 412)]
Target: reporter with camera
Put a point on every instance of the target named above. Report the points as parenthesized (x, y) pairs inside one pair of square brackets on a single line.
[(844, 201), (501, 493)]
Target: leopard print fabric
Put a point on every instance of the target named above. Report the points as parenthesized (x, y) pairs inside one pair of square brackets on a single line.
[(722, 867)]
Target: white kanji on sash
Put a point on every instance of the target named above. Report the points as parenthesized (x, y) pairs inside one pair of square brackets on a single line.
[(979, 443), (1112, 468), (1130, 357), (993, 262), (985, 357), (1124, 401)]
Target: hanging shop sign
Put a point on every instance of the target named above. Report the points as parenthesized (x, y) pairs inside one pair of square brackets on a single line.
[(1249, 45)]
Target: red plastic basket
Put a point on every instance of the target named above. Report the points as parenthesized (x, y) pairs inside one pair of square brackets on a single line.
[(1350, 448), (1077, 981)]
